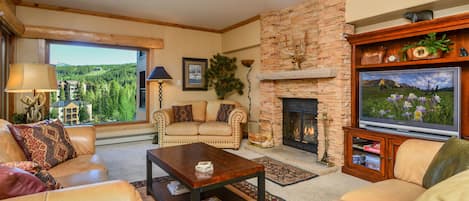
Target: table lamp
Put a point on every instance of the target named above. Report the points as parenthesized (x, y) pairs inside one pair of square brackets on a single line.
[(36, 79), (160, 75)]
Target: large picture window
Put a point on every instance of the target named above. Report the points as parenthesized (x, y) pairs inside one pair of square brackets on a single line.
[(97, 84)]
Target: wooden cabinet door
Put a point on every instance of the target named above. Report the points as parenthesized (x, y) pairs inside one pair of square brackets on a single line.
[(372, 166), (392, 147)]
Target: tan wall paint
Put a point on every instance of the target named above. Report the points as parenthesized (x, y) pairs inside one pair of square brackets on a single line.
[(178, 43), (244, 43), (369, 15), (242, 37), (250, 53)]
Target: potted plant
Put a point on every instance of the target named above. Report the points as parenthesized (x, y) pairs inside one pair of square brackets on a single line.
[(428, 48), (221, 76)]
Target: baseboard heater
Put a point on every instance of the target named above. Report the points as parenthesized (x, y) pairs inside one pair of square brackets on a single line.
[(124, 139)]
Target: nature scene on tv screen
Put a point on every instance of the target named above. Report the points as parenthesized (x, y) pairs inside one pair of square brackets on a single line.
[(408, 96)]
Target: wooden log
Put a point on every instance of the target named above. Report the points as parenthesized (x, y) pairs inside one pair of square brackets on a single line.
[(52, 33), (7, 15)]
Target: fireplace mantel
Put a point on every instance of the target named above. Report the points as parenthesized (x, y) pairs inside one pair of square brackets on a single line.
[(299, 74)]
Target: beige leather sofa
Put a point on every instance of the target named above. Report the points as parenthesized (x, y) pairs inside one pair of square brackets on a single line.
[(204, 128), (412, 160), (81, 177)]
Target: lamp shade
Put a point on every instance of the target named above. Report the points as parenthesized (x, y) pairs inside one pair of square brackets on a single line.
[(25, 78), (159, 74)]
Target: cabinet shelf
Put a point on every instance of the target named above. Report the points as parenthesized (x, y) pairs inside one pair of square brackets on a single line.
[(366, 151), (416, 63)]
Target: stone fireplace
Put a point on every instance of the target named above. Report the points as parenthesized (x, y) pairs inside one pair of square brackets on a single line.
[(324, 74), (300, 123)]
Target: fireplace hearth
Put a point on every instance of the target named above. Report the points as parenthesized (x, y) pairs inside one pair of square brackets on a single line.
[(300, 125)]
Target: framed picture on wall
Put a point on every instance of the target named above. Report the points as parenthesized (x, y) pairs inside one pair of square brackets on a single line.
[(193, 74)]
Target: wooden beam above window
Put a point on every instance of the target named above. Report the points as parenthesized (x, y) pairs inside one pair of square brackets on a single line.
[(7, 15), (52, 33)]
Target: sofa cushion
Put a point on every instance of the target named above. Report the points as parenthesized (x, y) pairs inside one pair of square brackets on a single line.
[(36, 170), (214, 106), (17, 182), (83, 178), (182, 113), (183, 128), (387, 190), (452, 158), (411, 167), (11, 151), (451, 189), (46, 143), (80, 164), (198, 109), (215, 128), (224, 112)]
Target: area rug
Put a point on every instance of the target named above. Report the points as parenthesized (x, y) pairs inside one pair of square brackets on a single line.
[(243, 188), (283, 174)]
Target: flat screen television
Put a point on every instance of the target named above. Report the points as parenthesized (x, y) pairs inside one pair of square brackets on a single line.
[(418, 102)]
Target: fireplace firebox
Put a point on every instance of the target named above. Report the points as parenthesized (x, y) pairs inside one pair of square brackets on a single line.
[(300, 125)]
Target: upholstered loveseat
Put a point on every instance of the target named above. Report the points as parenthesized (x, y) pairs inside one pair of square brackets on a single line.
[(83, 178), (412, 161), (204, 127)]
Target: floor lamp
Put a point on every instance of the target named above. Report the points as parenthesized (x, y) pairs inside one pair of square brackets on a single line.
[(36, 79), (160, 75)]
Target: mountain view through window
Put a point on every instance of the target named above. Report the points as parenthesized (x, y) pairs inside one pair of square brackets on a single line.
[(96, 84)]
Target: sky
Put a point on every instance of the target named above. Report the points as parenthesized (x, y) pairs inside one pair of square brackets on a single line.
[(86, 55), (419, 79)]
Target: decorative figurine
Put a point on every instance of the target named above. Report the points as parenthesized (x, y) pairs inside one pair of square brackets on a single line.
[(463, 52), (419, 16)]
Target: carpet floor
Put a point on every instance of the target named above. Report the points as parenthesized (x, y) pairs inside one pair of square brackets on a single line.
[(126, 161)]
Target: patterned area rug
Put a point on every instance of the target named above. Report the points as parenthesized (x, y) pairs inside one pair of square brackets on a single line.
[(243, 188), (283, 174)]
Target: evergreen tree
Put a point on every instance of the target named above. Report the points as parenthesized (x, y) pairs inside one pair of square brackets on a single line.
[(81, 90), (54, 113), (62, 94), (127, 109), (83, 114)]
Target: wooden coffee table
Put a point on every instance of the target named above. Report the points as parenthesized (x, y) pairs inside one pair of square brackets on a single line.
[(179, 162)]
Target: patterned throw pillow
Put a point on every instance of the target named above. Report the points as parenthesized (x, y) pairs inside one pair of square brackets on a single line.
[(36, 170), (17, 182), (46, 143), (182, 113), (224, 112)]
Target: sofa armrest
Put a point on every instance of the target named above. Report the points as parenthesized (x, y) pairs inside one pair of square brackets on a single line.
[(83, 139), (164, 116), (105, 191), (235, 119), (237, 116)]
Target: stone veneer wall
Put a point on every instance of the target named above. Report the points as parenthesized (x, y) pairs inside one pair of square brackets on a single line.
[(326, 47)]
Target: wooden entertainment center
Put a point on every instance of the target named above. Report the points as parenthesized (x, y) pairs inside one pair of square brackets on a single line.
[(380, 148)]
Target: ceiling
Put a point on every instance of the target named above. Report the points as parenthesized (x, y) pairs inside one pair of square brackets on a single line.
[(211, 14)]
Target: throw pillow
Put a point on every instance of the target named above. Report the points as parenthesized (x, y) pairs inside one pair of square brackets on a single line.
[(182, 113), (224, 112), (46, 143), (43, 175), (452, 158), (17, 182)]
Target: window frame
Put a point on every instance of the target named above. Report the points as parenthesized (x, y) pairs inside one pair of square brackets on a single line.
[(87, 44)]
